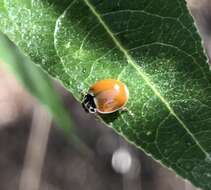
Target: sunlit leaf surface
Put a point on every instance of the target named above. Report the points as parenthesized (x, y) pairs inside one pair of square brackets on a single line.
[(150, 45)]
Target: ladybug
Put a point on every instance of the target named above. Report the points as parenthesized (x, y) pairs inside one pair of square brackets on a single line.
[(106, 96)]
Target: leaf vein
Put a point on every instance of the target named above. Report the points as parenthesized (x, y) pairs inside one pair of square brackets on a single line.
[(132, 62)]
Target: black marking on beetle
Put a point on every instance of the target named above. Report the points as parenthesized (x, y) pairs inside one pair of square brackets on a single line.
[(88, 103)]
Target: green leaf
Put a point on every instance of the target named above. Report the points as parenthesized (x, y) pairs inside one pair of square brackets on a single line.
[(150, 45), (35, 80)]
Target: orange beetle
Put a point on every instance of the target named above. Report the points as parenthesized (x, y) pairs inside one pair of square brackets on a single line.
[(106, 96)]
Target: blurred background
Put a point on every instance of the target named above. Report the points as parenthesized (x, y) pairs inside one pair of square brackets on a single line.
[(35, 154)]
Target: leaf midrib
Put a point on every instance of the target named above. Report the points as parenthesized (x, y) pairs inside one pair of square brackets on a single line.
[(133, 63)]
